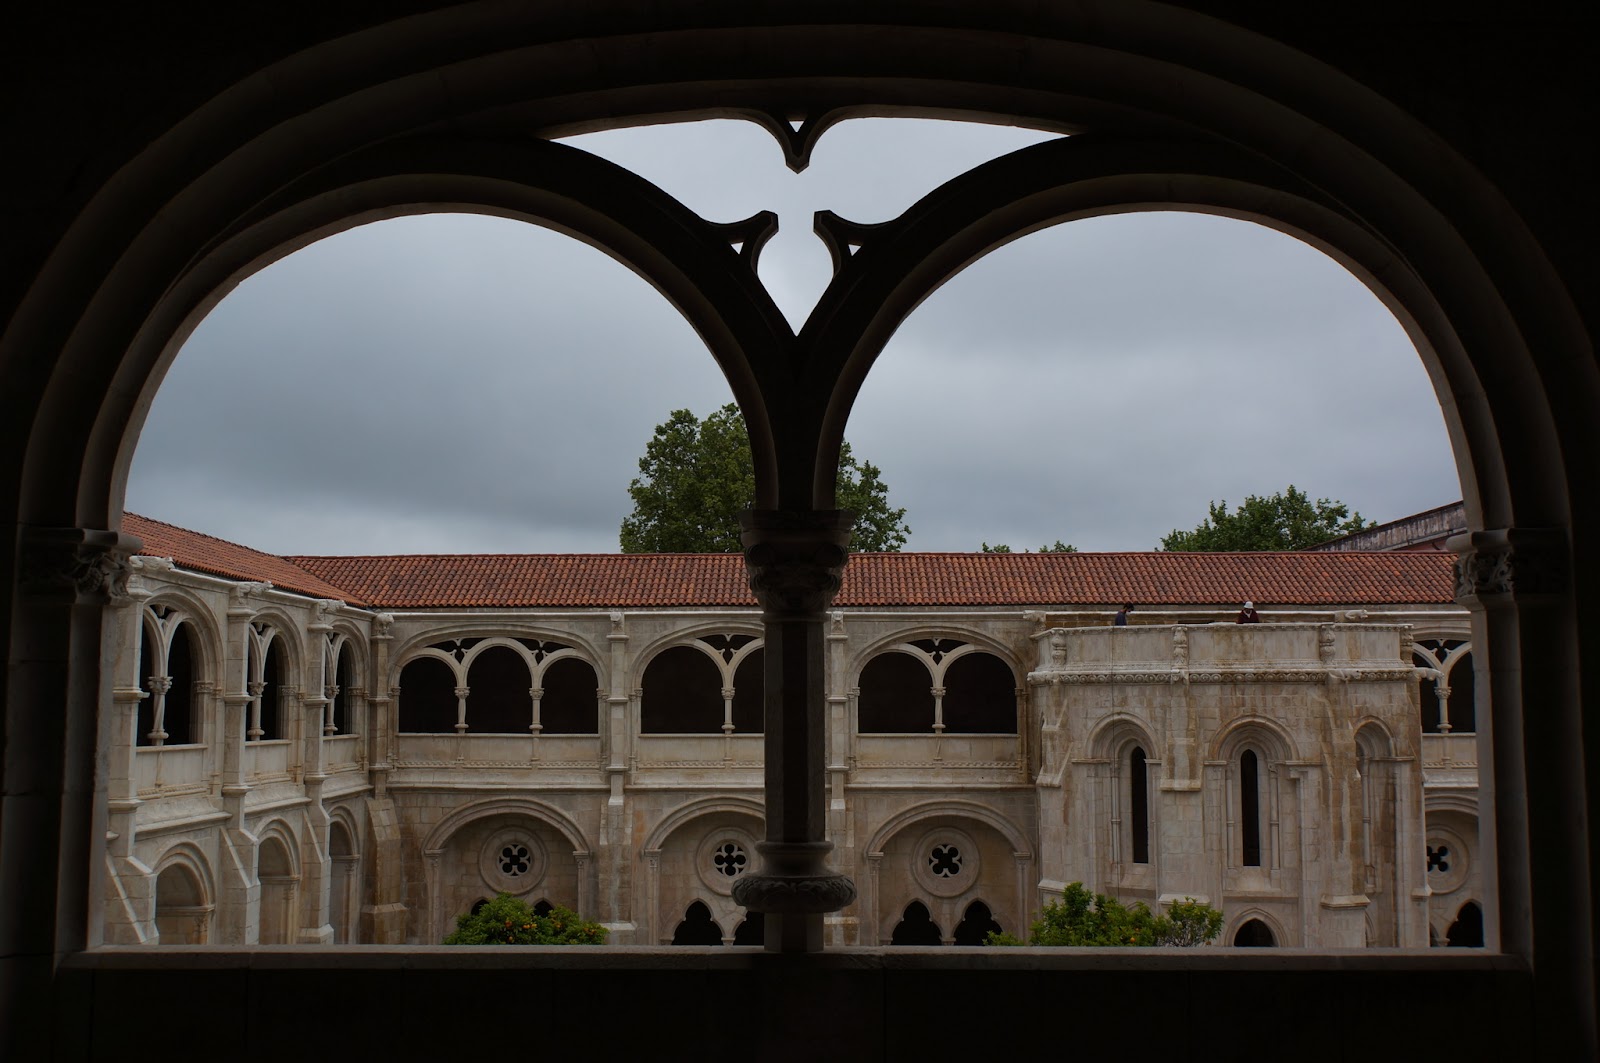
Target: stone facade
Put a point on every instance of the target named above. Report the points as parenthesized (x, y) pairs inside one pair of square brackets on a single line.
[(275, 775)]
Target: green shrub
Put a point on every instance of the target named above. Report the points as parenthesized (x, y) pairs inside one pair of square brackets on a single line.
[(509, 921), (1082, 918)]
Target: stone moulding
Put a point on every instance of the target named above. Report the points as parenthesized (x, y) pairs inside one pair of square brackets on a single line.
[(1253, 675)]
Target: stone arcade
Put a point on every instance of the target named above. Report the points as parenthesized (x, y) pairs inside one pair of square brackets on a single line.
[(162, 152), (356, 750)]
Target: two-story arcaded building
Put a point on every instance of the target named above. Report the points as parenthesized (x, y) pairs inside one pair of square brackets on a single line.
[(358, 749)]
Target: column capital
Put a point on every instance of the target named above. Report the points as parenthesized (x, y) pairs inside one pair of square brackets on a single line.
[(795, 558), (78, 564), (794, 880), (1510, 562)]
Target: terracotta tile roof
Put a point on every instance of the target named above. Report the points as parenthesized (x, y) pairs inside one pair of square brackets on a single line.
[(663, 580), (636, 581), (1148, 579), (218, 557), (418, 581)]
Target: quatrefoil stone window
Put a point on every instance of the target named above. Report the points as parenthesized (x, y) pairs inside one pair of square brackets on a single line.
[(945, 861), (729, 859), (512, 860), (724, 855), (515, 860)]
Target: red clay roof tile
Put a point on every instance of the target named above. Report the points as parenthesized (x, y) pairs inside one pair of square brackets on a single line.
[(218, 557), (423, 581)]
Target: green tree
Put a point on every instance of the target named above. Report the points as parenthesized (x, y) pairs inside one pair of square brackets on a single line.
[(1059, 547), (1288, 520), (509, 921), (696, 476), (1081, 918)]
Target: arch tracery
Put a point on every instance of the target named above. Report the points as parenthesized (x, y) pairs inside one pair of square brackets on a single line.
[(1471, 268)]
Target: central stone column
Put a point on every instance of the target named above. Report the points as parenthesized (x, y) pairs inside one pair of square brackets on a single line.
[(795, 559)]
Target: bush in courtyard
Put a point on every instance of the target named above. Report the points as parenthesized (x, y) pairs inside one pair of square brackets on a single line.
[(1082, 918), (509, 921)]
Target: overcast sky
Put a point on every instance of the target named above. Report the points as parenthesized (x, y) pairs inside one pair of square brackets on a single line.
[(453, 383)]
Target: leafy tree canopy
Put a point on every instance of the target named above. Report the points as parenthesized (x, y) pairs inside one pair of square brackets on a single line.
[(1082, 918), (509, 921), (1058, 547), (696, 476), (1288, 520)]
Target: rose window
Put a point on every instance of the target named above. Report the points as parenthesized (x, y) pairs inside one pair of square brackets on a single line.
[(729, 859)]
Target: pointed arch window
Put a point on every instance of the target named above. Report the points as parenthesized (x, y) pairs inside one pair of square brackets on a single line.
[(1139, 804), (1250, 808)]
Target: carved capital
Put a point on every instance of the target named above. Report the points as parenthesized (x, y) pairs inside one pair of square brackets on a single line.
[(240, 593), (1515, 562), (326, 610), (381, 623), (795, 558), (77, 564), (794, 880)]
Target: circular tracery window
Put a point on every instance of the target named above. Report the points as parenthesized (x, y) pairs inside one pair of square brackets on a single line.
[(1449, 859), (512, 861), (944, 861), (729, 859), (723, 856)]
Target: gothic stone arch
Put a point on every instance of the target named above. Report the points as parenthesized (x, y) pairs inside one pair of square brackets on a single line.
[(1466, 228)]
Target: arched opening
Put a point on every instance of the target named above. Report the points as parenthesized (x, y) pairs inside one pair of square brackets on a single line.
[(749, 692), (697, 927), (1254, 934), (1520, 308), (976, 925), (1461, 706), (150, 675), (896, 696), (270, 703), (344, 882), (569, 704), (500, 702), (279, 886), (752, 931), (177, 715), (183, 915), (1467, 930), (1139, 805), (980, 696), (427, 697), (1249, 809), (339, 709), (916, 927), (682, 694)]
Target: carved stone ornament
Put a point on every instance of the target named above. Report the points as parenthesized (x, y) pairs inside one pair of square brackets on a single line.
[(1510, 561), (795, 559), (381, 623), (793, 880), (1058, 649), (78, 563), (241, 594)]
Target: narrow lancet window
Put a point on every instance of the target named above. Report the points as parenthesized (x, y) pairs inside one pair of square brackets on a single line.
[(1139, 804), (1250, 808)]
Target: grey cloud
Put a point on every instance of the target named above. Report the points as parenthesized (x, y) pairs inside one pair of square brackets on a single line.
[(471, 384)]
